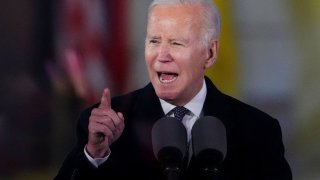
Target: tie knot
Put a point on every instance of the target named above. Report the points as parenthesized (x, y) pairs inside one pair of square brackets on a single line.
[(179, 112)]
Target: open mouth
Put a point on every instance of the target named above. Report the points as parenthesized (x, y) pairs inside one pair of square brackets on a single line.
[(167, 77)]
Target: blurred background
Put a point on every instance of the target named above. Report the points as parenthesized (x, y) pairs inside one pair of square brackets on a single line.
[(56, 56)]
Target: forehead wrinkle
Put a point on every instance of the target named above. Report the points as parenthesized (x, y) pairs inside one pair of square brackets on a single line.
[(172, 20), (167, 17), (171, 13)]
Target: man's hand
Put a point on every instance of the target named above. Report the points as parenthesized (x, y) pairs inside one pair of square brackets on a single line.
[(105, 127)]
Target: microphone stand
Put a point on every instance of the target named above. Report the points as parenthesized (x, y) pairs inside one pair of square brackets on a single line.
[(210, 173), (172, 172)]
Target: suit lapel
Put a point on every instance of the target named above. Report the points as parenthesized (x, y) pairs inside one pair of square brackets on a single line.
[(213, 105), (147, 110), (148, 105), (217, 104)]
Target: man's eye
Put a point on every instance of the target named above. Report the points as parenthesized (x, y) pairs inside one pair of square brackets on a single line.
[(177, 44), (153, 41)]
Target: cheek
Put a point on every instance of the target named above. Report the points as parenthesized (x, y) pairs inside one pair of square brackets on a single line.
[(200, 59), (147, 55), (195, 65)]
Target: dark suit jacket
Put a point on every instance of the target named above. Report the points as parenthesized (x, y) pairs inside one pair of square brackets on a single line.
[(254, 142)]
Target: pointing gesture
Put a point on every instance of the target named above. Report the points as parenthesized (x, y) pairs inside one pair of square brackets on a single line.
[(105, 99), (105, 127)]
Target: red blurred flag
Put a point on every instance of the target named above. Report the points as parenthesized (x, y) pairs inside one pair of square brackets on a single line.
[(92, 46)]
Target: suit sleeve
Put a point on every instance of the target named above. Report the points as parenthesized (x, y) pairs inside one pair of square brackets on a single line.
[(76, 164), (274, 164)]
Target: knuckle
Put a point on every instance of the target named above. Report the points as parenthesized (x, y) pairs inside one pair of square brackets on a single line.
[(95, 111)]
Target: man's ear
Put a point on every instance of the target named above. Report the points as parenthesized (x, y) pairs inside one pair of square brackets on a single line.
[(212, 54)]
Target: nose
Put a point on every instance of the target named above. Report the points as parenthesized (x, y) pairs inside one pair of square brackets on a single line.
[(164, 53)]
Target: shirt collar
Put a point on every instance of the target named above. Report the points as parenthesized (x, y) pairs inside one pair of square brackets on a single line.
[(195, 105)]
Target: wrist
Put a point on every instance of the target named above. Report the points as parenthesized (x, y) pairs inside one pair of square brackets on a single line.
[(97, 152)]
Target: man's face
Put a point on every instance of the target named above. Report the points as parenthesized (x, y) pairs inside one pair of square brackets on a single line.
[(176, 58)]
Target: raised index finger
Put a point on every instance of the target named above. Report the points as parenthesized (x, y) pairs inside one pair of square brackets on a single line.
[(105, 99)]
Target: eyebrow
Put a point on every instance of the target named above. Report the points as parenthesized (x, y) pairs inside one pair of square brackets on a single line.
[(153, 37)]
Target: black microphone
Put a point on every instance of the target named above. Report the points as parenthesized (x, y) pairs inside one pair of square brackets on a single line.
[(169, 141), (209, 142)]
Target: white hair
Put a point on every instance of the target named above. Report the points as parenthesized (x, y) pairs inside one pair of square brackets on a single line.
[(210, 16)]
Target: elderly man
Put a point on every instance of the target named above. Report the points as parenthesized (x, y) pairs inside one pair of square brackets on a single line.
[(114, 136)]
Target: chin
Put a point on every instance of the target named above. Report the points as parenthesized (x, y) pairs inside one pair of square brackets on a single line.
[(167, 96)]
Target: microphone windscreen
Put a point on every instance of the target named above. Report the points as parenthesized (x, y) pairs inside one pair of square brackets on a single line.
[(169, 140), (209, 140)]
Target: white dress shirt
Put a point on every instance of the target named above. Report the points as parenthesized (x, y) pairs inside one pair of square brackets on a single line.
[(194, 106)]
